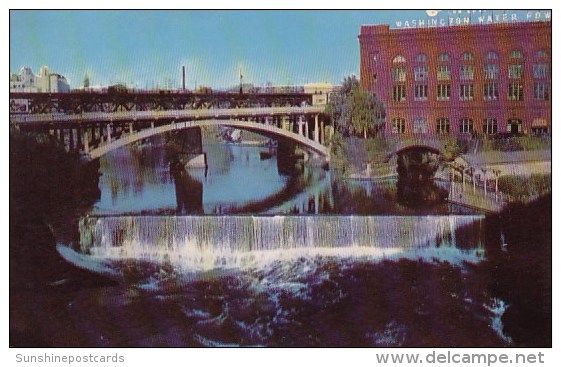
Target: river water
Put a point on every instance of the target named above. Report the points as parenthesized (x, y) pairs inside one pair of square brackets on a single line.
[(240, 255)]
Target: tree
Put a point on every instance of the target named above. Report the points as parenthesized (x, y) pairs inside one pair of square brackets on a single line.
[(355, 111)]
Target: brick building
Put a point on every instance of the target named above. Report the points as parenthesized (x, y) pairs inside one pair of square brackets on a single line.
[(489, 79)]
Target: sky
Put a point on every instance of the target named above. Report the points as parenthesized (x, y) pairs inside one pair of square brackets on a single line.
[(146, 49)]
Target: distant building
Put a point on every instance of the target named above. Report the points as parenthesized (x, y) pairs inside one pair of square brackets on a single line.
[(45, 82), (280, 89), (460, 80), (86, 83), (320, 92)]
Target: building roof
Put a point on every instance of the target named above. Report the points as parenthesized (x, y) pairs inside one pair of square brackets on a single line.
[(384, 29)]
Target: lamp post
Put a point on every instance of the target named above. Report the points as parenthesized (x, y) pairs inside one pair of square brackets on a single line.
[(484, 171), (497, 173), (472, 177)]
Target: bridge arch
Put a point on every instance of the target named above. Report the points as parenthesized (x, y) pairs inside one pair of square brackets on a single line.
[(264, 129), (433, 145), (429, 148)]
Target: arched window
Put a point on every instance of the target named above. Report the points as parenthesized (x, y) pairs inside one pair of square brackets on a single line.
[(444, 57), (398, 59), (541, 54), (492, 55), (421, 58), (467, 56), (516, 54)]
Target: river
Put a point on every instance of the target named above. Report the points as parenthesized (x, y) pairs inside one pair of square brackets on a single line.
[(240, 255)]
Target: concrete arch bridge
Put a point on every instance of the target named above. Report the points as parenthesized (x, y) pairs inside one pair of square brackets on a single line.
[(94, 134)]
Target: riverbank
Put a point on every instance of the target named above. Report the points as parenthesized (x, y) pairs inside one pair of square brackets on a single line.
[(521, 269), (523, 175), (48, 187)]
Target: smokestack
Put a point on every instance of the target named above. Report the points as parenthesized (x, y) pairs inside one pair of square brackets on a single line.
[(183, 70)]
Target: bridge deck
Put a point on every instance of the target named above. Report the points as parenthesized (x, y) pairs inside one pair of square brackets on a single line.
[(177, 115)]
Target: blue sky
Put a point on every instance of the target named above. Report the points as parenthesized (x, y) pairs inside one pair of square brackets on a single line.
[(148, 48)]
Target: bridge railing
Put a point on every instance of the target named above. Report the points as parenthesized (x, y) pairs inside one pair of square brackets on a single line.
[(166, 114)]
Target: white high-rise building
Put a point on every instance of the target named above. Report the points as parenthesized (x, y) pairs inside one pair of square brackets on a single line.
[(45, 82)]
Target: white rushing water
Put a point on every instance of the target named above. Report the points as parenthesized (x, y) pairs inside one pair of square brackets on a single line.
[(208, 242)]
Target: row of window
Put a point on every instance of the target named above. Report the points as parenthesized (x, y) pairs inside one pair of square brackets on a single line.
[(467, 72), (465, 126), (468, 56), (466, 92)]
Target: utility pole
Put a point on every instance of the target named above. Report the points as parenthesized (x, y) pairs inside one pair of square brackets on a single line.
[(241, 80), (183, 77)]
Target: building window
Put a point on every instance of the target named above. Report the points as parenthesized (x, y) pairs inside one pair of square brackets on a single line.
[(490, 91), (492, 55), (398, 59), (515, 91), (541, 71), (421, 92), (467, 56), (466, 72), (421, 73), (515, 71), (514, 126), (398, 126), (489, 126), (516, 54), (399, 74), (444, 57), (443, 73), (420, 126), (421, 58), (466, 92), (539, 126), (399, 93), (541, 54), (443, 92), (466, 126), (443, 126), (541, 91), (538, 131), (491, 71)]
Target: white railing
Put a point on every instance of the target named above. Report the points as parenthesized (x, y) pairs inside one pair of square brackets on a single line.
[(166, 114)]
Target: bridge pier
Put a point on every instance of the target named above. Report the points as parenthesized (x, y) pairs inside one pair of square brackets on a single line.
[(108, 133), (70, 140), (99, 134), (286, 159), (86, 140), (316, 128), (79, 138), (300, 125), (188, 145)]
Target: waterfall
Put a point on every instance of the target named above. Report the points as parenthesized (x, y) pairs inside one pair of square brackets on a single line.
[(205, 242)]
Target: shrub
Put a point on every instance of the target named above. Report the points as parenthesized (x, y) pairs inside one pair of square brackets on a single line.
[(525, 188)]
